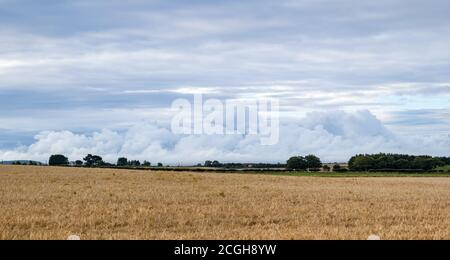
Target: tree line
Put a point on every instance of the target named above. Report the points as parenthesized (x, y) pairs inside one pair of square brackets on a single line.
[(97, 161), (362, 162), (382, 161), (31, 163)]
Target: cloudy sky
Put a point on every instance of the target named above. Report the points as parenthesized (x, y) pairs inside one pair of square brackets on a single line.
[(99, 76)]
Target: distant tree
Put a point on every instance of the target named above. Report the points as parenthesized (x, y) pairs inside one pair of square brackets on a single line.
[(297, 163), (88, 161), (121, 162), (147, 164), (326, 168), (160, 165), (216, 164), (426, 163), (58, 160), (208, 164), (79, 163), (313, 161), (98, 160), (402, 164), (445, 160), (382, 162), (362, 163), (439, 162), (134, 163), (93, 160), (336, 167)]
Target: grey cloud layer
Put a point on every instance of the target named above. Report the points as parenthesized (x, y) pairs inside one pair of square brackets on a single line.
[(214, 43)]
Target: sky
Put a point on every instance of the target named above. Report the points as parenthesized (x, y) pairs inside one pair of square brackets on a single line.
[(99, 76)]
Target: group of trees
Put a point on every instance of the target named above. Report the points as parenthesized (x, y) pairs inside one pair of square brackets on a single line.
[(26, 163), (362, 162), (304, 163), (89, 161), (93, 161), (395, 162), (375, 162), (213, 164), (96, 161), (123, 162), (310, 162)]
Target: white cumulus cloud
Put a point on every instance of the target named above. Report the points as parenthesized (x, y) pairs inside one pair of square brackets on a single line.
[(334, 136)]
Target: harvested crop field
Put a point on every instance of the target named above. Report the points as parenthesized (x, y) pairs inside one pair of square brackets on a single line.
[(54, 203)]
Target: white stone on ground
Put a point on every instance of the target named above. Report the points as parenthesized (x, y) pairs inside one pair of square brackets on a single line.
[(73, 237), (374, 238)]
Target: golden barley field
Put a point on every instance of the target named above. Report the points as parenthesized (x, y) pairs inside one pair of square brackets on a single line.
[(53, 203)]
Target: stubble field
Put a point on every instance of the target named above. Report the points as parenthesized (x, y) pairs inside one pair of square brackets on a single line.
[(53, 203)]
